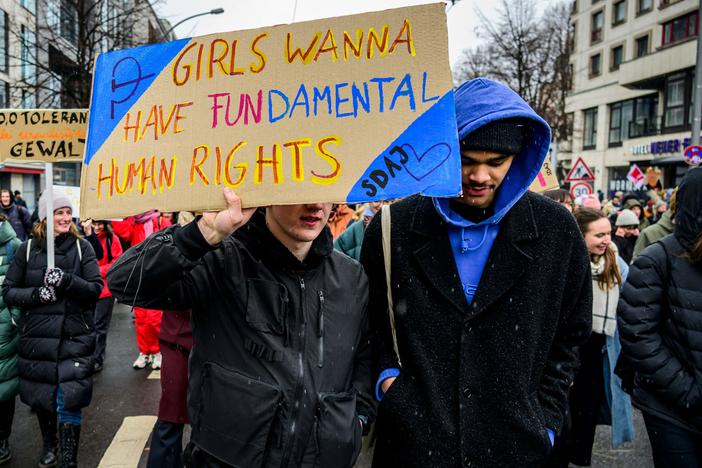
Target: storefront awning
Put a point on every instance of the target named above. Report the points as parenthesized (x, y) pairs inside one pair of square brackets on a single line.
[(669, 160)]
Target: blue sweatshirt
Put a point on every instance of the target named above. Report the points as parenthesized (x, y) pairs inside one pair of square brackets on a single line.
[(479, 102)]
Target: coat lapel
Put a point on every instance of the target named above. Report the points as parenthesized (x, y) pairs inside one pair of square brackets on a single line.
[(434, 255), (511, 254)]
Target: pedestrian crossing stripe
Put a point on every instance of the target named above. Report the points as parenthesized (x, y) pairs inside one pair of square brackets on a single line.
[(128, 444), (154, 375)]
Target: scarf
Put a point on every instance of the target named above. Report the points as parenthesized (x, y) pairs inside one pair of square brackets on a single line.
[(604, 303), (146, 220)]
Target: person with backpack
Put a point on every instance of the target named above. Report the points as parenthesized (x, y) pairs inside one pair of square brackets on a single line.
[(280, 363), (103, 309), (18, 215), (660, 326), (57, 339), (9, 381)]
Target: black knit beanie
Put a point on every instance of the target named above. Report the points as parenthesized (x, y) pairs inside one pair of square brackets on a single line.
[(500, 136)]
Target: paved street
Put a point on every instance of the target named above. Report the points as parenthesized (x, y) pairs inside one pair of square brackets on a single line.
[(121, 394)]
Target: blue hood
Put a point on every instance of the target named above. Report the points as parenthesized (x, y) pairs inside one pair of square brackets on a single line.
[(479, 102)]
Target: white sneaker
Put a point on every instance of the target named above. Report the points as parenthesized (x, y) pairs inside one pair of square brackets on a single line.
[(156, 361), (142, 361)]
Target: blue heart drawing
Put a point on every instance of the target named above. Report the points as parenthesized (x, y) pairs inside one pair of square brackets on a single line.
[(420, 167)]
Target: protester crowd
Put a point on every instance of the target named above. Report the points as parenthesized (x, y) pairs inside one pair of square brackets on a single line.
[(498, 328)]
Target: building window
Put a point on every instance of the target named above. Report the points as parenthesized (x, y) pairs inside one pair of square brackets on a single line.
[(674, 112), (28, 55), (590, 128), (617, 57), (571, 76), (572, 35), (642, 46), (596, 27), (643, 6), (69, 21), (53, 15), (4, 95), (667, 3), (680, 28), (30, 5), (632, 119), (29, 99), (619, 12), (4, 42), (595, 65)]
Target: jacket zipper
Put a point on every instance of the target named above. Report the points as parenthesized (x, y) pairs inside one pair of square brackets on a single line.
[(320, 331), (300, 380)]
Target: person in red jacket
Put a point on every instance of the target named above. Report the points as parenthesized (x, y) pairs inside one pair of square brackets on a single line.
[(133, 230), (103, 309)]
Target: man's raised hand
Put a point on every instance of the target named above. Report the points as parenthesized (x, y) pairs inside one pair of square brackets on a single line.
[(217, 226)]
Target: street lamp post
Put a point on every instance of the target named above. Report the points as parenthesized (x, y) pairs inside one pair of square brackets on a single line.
[(214, 11)]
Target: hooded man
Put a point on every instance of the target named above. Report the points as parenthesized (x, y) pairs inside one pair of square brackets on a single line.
[(19, 217), (280, 365), (492, 295)]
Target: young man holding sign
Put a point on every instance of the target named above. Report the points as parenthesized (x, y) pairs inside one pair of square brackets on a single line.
[(280, 367), (491, 294)]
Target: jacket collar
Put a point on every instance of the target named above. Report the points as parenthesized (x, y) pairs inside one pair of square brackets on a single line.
[(265, 245), (509, 258)]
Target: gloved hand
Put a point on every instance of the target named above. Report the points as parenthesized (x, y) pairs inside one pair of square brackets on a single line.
[(57, 279), (46, 294)]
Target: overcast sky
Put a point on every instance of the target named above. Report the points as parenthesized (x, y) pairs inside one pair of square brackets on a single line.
[(247, 14)]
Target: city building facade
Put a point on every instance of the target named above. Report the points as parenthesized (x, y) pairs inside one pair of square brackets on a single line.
[(47, 49), (633, 67)]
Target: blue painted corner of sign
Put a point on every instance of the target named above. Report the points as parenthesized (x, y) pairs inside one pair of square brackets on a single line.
[(121, 77), (424, 159)]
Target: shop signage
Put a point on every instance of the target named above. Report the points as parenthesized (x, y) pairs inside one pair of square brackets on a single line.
[(661, 147)]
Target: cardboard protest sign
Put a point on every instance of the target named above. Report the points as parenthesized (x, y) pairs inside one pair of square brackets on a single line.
[(545, 180), (43, 134), (345, 109)]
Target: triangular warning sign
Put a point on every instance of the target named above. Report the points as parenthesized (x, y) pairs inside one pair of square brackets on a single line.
[(580, 172)]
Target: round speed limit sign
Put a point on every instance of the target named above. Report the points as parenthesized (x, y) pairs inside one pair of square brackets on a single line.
[(580, 189)]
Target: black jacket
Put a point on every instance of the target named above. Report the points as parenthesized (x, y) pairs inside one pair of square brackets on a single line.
[(660, 318), (57, 340), (625, 247), (480, 383), (20, 219), (280, 365)]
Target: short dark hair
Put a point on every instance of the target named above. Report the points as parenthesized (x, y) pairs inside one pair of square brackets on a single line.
[(558, 195)]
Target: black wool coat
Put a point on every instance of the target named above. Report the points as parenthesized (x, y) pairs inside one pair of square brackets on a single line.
[(480, 382), (57, 340)]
